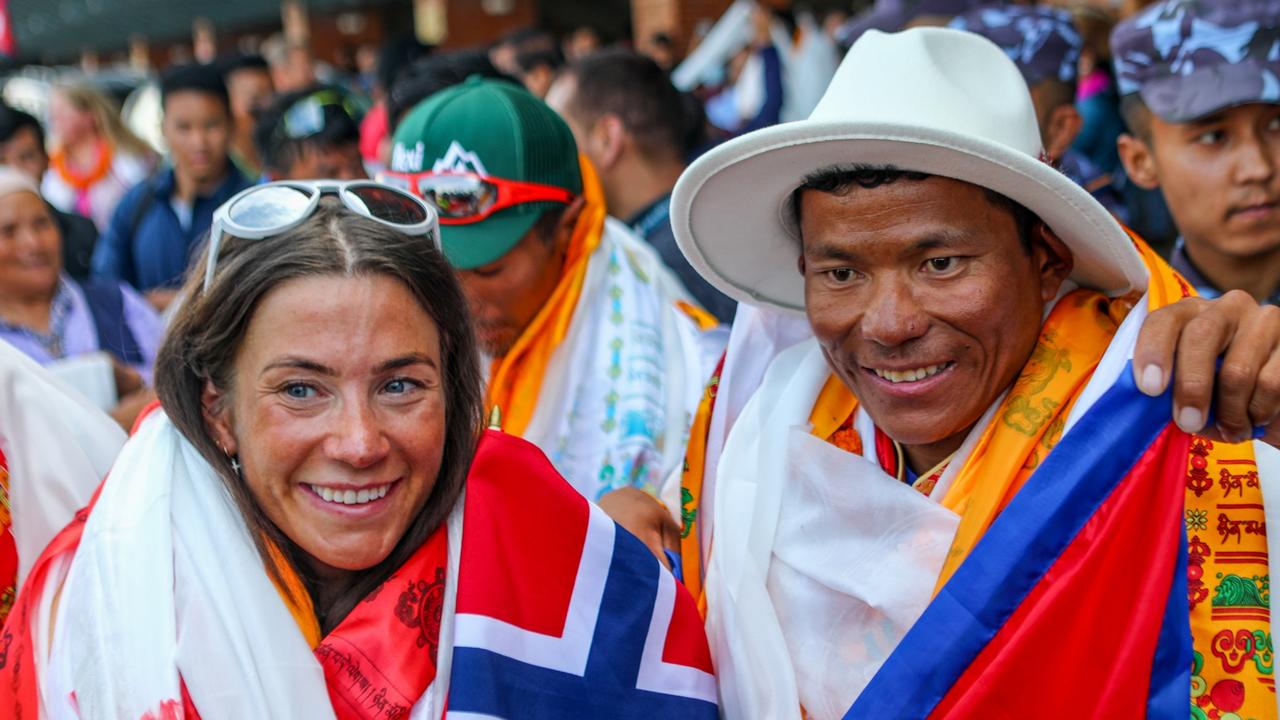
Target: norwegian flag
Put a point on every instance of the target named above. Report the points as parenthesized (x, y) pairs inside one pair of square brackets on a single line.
[(563, 614)]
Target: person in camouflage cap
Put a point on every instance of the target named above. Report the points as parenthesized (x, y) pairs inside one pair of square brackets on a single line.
[(1200, 86), (1045, 45), (895, 15)]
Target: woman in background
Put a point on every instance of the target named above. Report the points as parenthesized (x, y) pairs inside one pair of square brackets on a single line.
[(95, 159)]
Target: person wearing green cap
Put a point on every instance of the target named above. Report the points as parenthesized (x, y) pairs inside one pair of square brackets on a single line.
[(597, 352)]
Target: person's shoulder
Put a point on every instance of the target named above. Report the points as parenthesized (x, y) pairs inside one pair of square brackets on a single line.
[(72, 223), (132, 168), (137, 191)]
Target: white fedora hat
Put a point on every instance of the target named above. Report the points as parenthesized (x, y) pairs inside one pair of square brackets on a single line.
[(931, 100)]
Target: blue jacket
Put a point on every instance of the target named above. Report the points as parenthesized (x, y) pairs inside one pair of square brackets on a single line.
[(155, 251)]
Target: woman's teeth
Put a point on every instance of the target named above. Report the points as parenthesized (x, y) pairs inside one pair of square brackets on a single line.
[(896, 376), (351, 497)]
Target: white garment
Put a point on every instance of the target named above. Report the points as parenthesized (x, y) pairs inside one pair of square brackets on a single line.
[(126, 171), (799, 609), (58, 447), (620, 391), (166, 583)]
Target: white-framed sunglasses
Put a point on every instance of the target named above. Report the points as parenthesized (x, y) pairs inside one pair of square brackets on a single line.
[(265, 210)]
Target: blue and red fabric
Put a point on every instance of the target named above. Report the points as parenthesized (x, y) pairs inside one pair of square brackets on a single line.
[(1074, 603), (563, 614)]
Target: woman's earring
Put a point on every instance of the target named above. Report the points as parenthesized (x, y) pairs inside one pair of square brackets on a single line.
[(235, 459)]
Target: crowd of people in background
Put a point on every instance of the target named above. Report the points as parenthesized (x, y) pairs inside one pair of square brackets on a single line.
[(625, 225)]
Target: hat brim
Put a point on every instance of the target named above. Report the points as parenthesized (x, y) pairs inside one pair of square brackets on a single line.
[(732, 218), (477, 244)]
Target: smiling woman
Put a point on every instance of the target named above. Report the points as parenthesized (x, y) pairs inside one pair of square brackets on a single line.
[(284, 538)]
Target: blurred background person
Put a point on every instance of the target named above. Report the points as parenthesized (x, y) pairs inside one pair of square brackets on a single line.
[(580, 42), (388, 62), (51, 317), (1206, 134), (530, 55), (310, 134), (662, 50), (430, 75), (249, 90), (157, 226), (22, 148), (95, 158), (538, 68), (631, 123), (292, 65), (1044, 44), (896, 15)]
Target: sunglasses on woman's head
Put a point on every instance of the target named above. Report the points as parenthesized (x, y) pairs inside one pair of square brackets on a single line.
[(266, 210)]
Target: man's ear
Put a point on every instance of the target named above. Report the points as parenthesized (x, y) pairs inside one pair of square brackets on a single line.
[(1061, 130), (568, 221), (1053, 259), (216, 410), (611, 139), (1139, 161)]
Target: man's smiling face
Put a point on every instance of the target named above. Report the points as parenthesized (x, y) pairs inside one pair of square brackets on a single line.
[(926, 300)]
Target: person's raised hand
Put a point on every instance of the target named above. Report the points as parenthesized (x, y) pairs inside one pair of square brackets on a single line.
[(1181, 343)]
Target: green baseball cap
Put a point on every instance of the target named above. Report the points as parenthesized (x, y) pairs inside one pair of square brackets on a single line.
[(497, 130)]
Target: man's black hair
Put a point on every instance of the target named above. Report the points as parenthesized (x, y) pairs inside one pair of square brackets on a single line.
[(12, 120), (531, 59), (1057, 92), (842, 179), (194, 78), (279, 151), (523, 35), (246, 61), (396, 56), (1137, 116), (432, 74), (637, 90)]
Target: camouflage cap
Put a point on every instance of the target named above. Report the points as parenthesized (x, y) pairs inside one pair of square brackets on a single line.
[(895, 15), (1041, 41), (1191, 58)]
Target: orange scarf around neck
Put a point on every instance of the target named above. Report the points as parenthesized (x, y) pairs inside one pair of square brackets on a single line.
[(516, 378)]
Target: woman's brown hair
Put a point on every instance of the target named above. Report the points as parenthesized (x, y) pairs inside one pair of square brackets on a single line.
[(202, 342)]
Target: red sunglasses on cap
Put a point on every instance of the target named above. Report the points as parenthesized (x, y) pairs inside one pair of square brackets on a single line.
[(464, 198)]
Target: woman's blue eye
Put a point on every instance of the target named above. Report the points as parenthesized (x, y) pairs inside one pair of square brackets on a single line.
[(400, 386), (298, 391)]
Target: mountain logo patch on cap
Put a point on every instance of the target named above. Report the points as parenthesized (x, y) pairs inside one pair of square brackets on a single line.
[(458, 159)]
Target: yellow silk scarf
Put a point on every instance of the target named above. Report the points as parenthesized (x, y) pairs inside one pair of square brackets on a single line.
[(516, 378)]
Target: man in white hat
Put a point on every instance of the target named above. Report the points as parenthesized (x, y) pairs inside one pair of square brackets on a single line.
[(952, 500)]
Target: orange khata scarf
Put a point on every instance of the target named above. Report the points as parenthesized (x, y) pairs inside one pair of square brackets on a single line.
[(1224, 515), (78, 181), (516, 378)]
